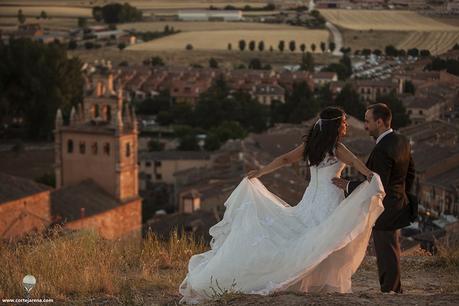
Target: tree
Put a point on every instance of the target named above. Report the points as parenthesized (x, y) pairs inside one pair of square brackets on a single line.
[(116, 13), (252, 45), (347, 63), (331, 46), (325, 96), (213, 63), (350, 101), (47, 80), (390, 50), (343, 68), (72, 45), (166, 29), (230, 47), (377, 52), (300, 104), (424, 53), (121, 46), (413, 52), (189, 47), (157, 61), (307, 62), (292, 46), (242, 45), (281, 46), (408, 87), (323, 46), (366, 52), (261, 46), (82, 22), (21, 17), (303, 48), (43, 15), (313, 47), (97, 13), (255, 63)]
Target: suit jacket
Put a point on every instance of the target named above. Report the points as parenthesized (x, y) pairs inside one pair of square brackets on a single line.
[(391, 159)]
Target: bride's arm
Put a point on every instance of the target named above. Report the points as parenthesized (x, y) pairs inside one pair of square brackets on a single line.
[(350, 159), (280, 161)]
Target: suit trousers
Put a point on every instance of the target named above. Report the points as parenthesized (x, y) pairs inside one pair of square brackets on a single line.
[(387, 248)]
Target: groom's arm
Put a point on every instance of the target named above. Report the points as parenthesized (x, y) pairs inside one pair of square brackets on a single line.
[(409, 182), (382, 164), (351, 186)]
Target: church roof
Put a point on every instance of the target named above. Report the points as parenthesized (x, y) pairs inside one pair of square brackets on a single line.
[(68, 201), (13, 187)]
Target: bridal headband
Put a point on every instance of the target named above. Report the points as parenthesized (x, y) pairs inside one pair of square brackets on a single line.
[(320, 120)]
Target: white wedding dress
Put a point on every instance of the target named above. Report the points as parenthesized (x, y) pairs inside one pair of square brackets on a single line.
[(263, 245)]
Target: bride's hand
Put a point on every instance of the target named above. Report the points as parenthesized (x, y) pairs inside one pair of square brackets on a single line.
[(253, 174), (370, 176)]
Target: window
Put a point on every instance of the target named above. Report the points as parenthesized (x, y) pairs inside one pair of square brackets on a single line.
[(70, 146), (157, 163), (421, 112), (82, 147), (128, 149), (159, 176), (147, 164), (149, 177), (107, 148), (94, 148)]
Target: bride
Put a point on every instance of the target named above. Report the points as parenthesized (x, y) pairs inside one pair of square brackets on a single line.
[(263, 245)]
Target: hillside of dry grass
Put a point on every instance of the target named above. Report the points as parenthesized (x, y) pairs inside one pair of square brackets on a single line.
[(82, 268)]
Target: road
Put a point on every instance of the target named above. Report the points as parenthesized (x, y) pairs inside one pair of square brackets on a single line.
[(337, 38)]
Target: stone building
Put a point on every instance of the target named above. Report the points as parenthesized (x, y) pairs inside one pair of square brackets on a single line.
[(96, 174), (96, 166)]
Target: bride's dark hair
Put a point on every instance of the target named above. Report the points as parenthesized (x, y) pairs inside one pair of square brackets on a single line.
[(323, 135)]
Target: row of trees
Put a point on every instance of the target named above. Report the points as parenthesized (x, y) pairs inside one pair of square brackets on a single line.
[(22, 18), (392, 51), (281, 46)]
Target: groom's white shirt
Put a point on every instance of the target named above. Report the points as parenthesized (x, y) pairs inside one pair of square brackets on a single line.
[(383, 134), (377, 140)]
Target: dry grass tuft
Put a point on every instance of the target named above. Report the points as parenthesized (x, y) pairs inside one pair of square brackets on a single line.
[(82, 264)]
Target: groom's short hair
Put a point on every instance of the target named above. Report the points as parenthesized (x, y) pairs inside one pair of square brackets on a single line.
[(381, 111)]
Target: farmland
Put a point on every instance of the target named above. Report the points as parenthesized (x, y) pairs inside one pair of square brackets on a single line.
[(403, 29), (193, 26), (219, 40), (436, 42), (385, 21)]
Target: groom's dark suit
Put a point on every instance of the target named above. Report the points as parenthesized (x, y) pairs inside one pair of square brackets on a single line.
[(391, 159)]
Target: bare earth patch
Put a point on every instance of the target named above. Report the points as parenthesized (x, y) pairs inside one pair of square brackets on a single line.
[(423, 285)]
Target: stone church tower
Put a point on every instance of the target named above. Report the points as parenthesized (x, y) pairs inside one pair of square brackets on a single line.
[(100, 143)]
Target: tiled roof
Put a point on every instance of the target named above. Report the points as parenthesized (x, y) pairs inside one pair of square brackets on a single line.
[(13, 187), (174, 155), (68, 201)]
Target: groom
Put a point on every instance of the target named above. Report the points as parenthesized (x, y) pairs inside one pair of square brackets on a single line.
[(391, 159)]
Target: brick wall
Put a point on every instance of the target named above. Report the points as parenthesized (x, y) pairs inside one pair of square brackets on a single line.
[(18, 217), (125, 220)]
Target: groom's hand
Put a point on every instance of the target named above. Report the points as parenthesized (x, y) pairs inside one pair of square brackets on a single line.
[(340, 183)]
